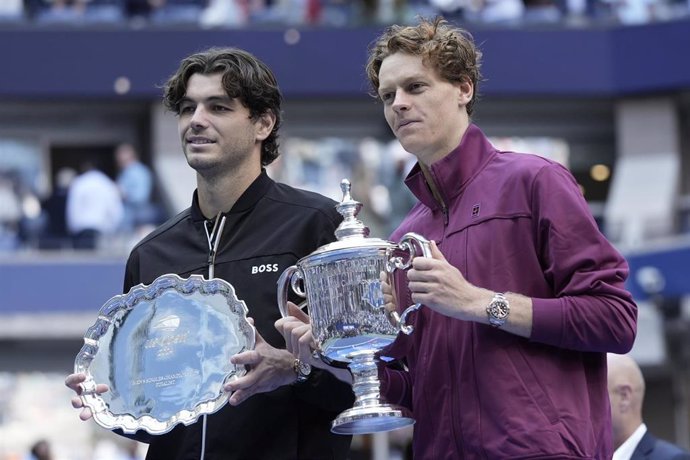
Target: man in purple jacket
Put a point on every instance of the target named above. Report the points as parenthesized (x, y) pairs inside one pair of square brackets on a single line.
[(524, 296)]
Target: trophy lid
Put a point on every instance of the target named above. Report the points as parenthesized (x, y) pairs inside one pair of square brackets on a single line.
[(350, 227), (351, 233)]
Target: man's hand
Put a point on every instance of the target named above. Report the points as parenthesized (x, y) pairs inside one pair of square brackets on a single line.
[(270, 368), (296, 330), (74, 381), (440, 286)]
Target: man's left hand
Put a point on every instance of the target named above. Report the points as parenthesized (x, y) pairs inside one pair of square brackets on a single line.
[(434, 282), (270, 368)]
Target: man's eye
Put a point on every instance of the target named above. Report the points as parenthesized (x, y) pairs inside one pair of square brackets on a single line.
[(221, 108), (186, 109), (385, 97)]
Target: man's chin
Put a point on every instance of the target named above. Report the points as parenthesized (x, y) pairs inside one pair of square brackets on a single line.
[(200, 164)]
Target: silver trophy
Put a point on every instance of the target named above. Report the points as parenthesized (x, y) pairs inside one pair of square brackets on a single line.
[(164, 350), (349, 322)]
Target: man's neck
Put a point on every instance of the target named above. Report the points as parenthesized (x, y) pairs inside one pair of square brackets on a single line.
[(623, 433), (625, 449), (220, 194)]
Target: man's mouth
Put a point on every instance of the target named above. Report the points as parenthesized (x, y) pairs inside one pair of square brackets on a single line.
[(404, 123), (199, 140)]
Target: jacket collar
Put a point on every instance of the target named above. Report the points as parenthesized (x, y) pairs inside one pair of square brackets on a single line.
[(455, 171), (247, 200)]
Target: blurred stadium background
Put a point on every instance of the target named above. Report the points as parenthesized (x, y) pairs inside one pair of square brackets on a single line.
[(600, 85)]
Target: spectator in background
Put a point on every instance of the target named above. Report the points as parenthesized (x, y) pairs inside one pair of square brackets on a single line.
[(163, 12), (94, 207), (542, 12), (10, 212), (61, 11), (225, 13), (452, 10), (631, 438), (135, 183), (631, 12), (54, 234), (40, 451), (500, 12), (11, 10)]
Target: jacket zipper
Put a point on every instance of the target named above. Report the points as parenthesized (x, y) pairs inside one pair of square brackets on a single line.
[(213, 239), (429, 176), (436, 193)]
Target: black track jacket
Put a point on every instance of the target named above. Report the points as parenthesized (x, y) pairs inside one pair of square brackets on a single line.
[(270, 227)]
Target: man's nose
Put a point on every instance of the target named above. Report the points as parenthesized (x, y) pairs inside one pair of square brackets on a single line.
[(198, 119), (400, 102)]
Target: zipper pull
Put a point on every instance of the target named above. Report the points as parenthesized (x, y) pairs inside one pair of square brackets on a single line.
[(213, 242)]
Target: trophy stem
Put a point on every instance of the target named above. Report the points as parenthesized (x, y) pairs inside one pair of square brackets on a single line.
[(370, 413)]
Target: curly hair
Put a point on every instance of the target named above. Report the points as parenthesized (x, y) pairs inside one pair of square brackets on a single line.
[(448, 49), (244, 77)]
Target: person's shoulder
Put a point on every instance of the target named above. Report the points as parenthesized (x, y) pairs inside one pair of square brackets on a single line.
[(667, 450), (301, 198), (528, 168), (140, 168), (162, 230), (527, 162)]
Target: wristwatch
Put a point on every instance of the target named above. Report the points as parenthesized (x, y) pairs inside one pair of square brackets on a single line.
[(498, 310), (302, 369)]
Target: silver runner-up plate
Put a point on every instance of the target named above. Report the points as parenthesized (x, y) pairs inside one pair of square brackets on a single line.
[(164, 351)]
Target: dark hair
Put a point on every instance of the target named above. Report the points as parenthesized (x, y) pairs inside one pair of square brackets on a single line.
[(244, 77), (448, 49)]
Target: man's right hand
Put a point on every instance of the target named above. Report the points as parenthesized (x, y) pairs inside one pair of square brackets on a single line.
[(296, 329), (74, 381)]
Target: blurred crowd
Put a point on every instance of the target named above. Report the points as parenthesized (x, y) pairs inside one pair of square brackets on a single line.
[(92, 207), (333, 13), (85, 209)]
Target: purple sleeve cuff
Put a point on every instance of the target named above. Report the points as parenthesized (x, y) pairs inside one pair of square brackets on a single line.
[(393, 385), (547, 321)]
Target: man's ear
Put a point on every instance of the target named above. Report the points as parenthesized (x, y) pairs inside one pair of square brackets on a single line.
[(465, 91), (625, 393), (265, 124)]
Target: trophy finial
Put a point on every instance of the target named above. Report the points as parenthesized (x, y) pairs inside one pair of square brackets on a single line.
[(346, 186), (349, 208)]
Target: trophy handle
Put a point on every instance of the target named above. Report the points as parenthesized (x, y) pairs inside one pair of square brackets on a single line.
[(292, 276), (410, 242)]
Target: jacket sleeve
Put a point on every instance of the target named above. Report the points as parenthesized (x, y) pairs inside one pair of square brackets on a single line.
[(396, 386), (325, 391), (131, 277), (591, 310), (394, 376)]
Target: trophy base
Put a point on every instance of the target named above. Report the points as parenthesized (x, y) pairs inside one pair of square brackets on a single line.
[(373, 419)]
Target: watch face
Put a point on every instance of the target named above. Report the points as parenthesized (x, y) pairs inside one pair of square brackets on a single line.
[(499, 309), (302, 368)]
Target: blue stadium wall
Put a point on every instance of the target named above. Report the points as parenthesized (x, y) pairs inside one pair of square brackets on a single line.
[(77, 63)]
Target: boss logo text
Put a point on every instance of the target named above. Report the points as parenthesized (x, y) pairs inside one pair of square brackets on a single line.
[(264, 268)]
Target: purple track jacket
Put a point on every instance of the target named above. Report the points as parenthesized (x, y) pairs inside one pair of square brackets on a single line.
[(518, 223)]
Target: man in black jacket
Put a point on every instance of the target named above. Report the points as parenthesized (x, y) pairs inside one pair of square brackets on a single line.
[(245, 228)]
